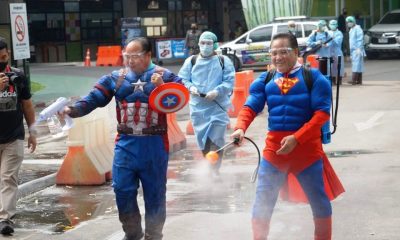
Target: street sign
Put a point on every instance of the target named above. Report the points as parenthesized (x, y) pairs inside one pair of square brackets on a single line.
[(19, 31)]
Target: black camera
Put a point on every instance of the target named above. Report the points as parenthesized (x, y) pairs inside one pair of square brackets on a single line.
[(12, 76)]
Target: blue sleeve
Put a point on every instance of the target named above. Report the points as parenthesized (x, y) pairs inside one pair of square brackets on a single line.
[(359, 35), (311, 39), (185, 73), (99, 96), (338, 39), (321, 92), (256, 99), (169, 76), (228, 78)]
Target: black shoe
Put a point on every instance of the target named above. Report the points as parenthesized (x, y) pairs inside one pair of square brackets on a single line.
[(6, 227)]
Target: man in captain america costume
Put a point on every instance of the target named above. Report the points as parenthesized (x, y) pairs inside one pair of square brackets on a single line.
[(141, 151), (293, 158)]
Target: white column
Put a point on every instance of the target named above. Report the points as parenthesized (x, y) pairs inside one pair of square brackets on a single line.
[(337, 8), (371, 10)]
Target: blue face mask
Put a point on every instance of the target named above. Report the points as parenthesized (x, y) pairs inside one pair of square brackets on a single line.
[(206, 50)]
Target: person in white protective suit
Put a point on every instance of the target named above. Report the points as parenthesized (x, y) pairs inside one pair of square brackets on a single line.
[(336, 51), (320, 38), (210, 80), (357, 52)]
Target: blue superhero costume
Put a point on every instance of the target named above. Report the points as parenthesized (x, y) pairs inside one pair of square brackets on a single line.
[(293, 110), (138, 157)]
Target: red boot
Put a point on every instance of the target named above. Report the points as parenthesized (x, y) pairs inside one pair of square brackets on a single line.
[(323, 228), (260, 229)]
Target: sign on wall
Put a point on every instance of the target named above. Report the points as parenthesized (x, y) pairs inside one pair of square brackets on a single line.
[(19, 31)]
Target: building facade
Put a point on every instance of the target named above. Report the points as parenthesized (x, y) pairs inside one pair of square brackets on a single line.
[(62, 30)]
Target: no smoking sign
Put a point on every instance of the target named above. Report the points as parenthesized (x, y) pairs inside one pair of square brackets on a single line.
[(19, 28), (19, 31)]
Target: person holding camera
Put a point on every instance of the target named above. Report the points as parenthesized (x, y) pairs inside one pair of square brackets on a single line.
[(15, 104)]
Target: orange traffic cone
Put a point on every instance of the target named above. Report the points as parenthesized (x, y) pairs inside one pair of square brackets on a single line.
[(87, 58)]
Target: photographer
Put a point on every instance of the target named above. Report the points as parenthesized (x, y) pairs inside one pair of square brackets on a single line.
[(15, 104)]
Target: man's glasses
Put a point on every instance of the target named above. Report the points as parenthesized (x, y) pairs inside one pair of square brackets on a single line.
[(280, 51), (133, 56)]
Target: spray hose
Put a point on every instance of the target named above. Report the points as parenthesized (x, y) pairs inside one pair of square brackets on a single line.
[(255, 173)]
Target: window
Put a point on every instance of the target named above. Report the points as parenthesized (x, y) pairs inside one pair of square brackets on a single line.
[(261, 35), (242, 40), (308, 28), (391, 18)]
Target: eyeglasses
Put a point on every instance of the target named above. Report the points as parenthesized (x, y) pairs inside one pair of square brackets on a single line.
[(133, 56), (205, 42), (280, 51)]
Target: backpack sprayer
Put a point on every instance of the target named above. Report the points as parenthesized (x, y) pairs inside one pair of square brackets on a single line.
[(212, 156), (325, 69), (53, 109)]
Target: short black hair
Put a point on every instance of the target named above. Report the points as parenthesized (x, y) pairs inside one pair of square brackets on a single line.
[(3, 44), (292, 39), (144, 42)]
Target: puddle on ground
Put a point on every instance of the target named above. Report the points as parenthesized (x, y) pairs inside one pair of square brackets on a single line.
[(348, 153)]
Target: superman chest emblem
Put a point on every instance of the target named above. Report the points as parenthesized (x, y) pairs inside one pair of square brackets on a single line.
[(285, 84)]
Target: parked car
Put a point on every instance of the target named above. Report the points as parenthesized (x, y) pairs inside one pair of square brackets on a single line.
[(384, 37), (251, 48)]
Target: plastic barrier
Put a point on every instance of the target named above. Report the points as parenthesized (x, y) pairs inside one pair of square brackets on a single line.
[(176, 137), (313, 61), (90, 151), (109, 56), (243, 81), (189, 128)]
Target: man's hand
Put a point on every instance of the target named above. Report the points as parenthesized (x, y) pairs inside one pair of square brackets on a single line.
[(238, 134), (193, 90), (4, 81), (66, 111), (211, 95), (32, 139), (156, 79), (288, 143)]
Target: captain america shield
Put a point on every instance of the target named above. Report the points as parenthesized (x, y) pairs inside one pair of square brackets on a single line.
[(168, 98)]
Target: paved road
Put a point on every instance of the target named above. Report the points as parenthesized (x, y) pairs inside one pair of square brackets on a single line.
[(364, 151)]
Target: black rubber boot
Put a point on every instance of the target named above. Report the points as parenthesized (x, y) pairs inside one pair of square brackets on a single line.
[(132, 226)]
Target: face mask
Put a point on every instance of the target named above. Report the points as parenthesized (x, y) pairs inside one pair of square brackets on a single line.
[(350, 24), (344, 13), (333, 27), (291, 29), (206, 50), (321, 28), (3, 66)]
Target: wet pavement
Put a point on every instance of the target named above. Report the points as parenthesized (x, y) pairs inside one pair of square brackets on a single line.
[(202, 207)]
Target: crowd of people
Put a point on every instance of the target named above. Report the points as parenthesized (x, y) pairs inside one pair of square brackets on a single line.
[(343, 37), (293, 152)]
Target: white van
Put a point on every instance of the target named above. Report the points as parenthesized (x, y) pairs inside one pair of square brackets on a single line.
[(251, 49)]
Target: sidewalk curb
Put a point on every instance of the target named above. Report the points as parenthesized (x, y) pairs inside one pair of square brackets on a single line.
[(36, 185)]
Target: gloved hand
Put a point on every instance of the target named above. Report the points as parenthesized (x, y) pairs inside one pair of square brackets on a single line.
[(211, 95), (319, 42), (193, 90), (357, 51)]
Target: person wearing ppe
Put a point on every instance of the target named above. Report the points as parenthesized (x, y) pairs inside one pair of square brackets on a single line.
[(293, 158), (192, 40), (357, 52), (320, 37), (210, 81), (336, 51), (141, 152), (292, 27)]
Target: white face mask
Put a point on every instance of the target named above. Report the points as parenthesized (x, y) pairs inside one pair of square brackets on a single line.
[(350, 24), (206, 50)]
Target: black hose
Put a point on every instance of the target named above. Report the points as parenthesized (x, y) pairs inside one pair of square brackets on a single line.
[(254, 176)]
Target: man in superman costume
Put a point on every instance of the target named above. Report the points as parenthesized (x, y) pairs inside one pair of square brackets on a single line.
[(141, 151), (293, 158)]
